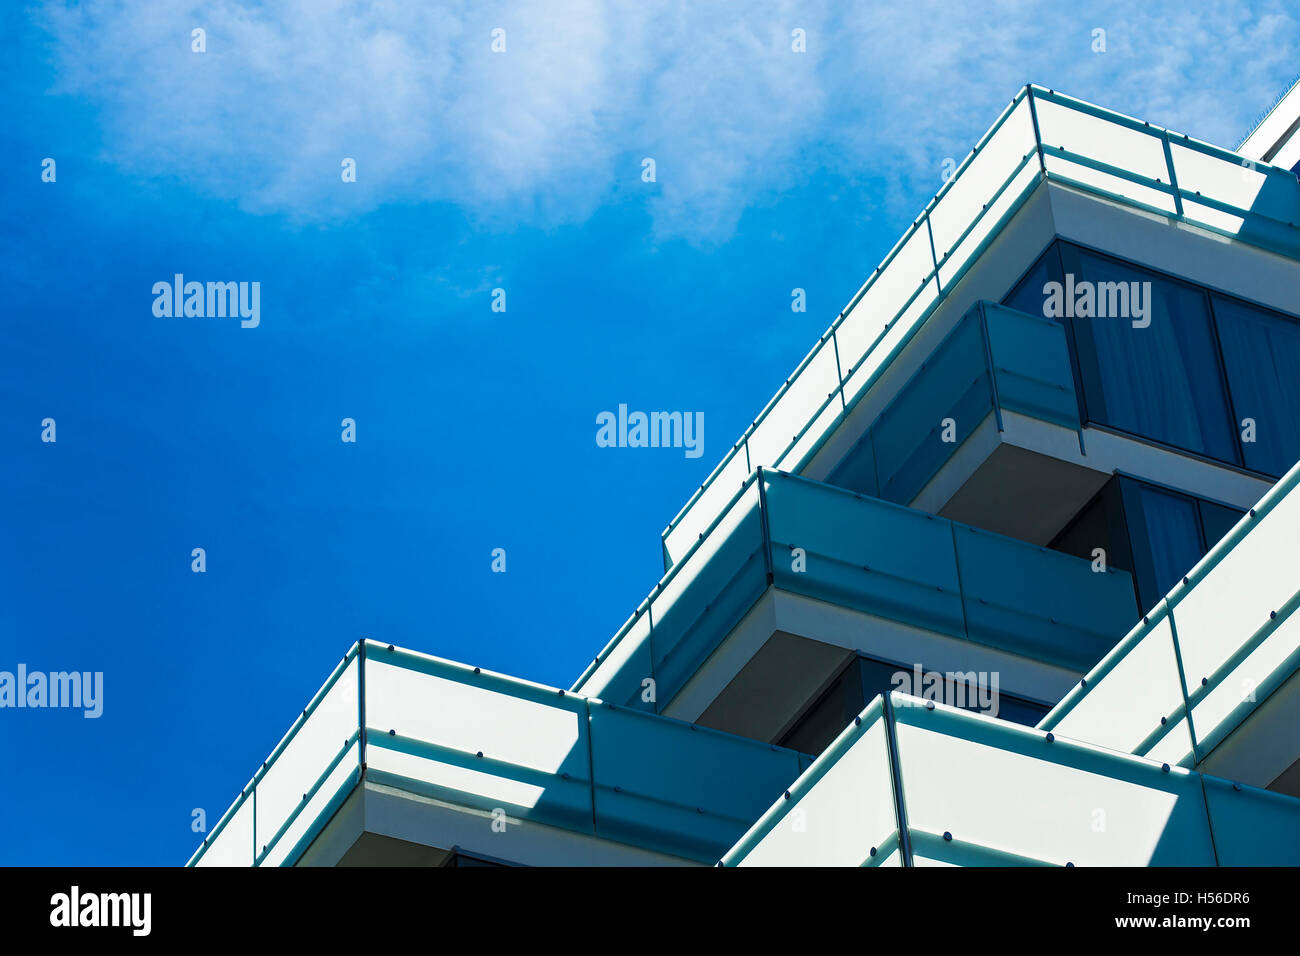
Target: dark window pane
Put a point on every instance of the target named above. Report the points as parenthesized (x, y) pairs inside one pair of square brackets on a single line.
[(881, 678), (1154, 534), (866, 679), (834, 711), (1161, 381), (1100, 524), (1027, 296), (1089, 531), (1261, 354), (1217, 521), (878, 677), (1169, 531), (1020, 711)]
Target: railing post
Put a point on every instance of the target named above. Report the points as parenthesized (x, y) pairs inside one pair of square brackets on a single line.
[(839, 369), (591, 767), (988, 361), (1182, 682), (650, 643), (361, 706), (763, 524), (1038, 136), (1173, 176), (1209, 819), (934, 257), (896, 778)]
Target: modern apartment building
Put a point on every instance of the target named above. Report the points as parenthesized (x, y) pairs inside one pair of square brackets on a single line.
[(1003, 574)]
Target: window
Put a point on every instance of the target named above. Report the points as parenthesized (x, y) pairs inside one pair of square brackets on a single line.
[(1028, 295), (1159, 380), (1099, 525), (865, 678), (1217, 521), (1203, 364), (832, 712), (1155, 534), (1167, 531), (1261, 355)]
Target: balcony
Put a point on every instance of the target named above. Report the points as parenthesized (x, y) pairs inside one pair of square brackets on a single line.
[(494, 748), (911, 784), (994, 360), (889, 562), (1041, 137), (1208, 659)]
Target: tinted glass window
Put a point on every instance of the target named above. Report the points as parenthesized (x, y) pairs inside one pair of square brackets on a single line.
[(1261, 355), (1154, 534), (866, 679), (1217, 521), (1100, 524), (1027, 296), (1020, 711), (1159, 379), (1169, 529), (834, 711), (880, 678)]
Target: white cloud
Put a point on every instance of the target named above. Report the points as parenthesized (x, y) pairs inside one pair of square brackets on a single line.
[(558, 124)]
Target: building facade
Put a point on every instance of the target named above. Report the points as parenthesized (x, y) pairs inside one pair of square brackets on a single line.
[(1003, 574)]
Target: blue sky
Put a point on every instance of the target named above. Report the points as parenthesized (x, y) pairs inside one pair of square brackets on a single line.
[(476, 429)]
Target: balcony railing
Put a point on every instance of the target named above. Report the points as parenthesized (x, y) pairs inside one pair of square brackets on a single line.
[(485, 742), (870, 555), (911, 783), (1041, 136), (994, 359), (1210, 653)]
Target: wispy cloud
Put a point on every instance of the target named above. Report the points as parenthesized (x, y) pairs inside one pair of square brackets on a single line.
[(558, 124)]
